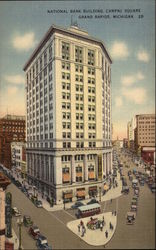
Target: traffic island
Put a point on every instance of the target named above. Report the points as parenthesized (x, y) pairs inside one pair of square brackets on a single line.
[(90, 230)]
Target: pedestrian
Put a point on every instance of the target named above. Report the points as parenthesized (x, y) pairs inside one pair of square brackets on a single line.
[(78, 228), (106, 234), (81, 223), (111, 200), (83, 231), (101, 227), (115, 213)]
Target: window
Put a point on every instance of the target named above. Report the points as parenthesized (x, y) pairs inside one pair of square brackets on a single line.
[(65, 51), (78, 54), (91, 57)]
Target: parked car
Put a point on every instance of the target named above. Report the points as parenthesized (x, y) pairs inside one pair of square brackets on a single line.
[(38, 203), (133, 208), (92, 201), (27, 221), (125, 190), (34, 232), (15, 212), (18, 184), (77, 204), (130, 218), (42, 243), (153, 187)]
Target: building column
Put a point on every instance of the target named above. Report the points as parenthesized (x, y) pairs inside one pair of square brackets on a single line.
[(49, 169), (111, 162), (73, 172), (107, 164), (96, 166), (57, 170), (85, 168), (104, 164)]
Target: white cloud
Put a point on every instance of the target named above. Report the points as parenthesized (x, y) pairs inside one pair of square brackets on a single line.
[(131, 79), (12, 91), (136, 95), (140, 76), (16, 79), (118, 102), (119, 50), (143, 56), (24, 42)]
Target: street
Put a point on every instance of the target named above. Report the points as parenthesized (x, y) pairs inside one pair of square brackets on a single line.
[(141, 235)]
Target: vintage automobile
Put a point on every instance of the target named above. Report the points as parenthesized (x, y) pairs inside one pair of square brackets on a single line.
[(125, 190), (27, 221), (77, 204), (42, 243), (92, 201), (130, 218), (15, 212), (133, 208), (134, 202), (38, 203), (134, 183), (34, 232)]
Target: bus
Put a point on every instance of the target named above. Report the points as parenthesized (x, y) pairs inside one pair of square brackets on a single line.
[(88, 210)]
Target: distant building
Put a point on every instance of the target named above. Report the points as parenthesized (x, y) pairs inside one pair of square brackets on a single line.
[(131, 134), (125, 143), (68, 84), (18, 156), (12, 128)]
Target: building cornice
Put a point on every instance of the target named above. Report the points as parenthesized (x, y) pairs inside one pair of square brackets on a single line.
[(58, 29)]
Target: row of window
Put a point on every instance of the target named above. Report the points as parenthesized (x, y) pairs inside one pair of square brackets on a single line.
[(42, 61)]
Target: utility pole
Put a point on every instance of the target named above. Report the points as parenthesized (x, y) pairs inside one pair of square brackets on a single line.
[(20, 222)]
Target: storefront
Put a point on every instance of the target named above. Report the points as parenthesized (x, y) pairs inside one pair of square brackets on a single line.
[(92, 191), (80, 193), (67, 196)]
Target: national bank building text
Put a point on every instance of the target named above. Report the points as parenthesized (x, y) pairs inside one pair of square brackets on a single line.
[(68, 93)]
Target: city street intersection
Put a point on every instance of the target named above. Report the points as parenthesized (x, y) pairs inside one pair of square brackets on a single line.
[(54, 224)]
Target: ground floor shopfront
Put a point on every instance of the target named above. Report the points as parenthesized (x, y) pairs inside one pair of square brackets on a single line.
[(69, 176)]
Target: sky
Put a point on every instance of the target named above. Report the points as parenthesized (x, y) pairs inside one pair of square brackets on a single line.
[(130, 41)]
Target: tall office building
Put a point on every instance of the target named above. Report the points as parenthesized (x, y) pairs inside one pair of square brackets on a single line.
[(68, 84), (12, 129)]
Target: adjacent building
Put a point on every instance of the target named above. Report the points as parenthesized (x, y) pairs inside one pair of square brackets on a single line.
[(141, 136), (68, 93), (4, 182), (145, 136), (12, 128)]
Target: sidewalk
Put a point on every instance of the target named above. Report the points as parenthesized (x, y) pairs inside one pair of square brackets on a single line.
[(14, 239), (112, 193), (95, 237)]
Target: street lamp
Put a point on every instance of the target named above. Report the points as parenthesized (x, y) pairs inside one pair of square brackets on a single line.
[(20, 222), (100, 194)]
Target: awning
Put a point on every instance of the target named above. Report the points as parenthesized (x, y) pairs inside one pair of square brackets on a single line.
[(93, 188), (91, 175), (81, 193), (68, 196), (66, 177)]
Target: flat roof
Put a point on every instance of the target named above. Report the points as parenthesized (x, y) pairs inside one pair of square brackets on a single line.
[(90, 206), (55, 28)]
